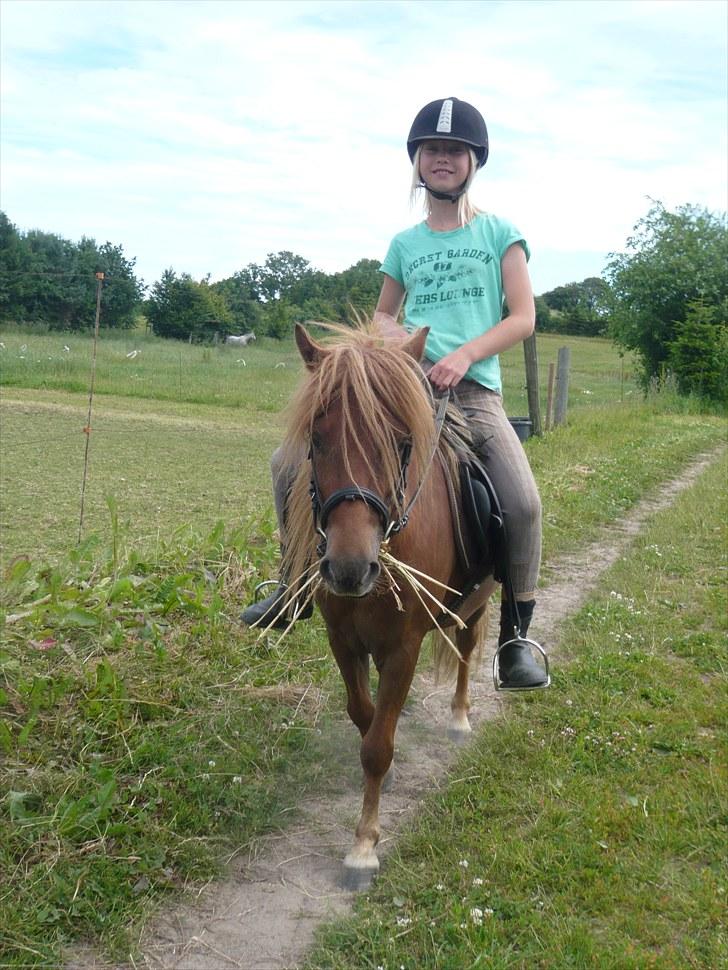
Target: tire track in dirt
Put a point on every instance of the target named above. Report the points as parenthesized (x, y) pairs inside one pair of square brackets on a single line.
[(264, 914)]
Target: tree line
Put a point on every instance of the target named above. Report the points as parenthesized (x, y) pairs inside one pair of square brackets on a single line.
[(47, 279), (665, 297)]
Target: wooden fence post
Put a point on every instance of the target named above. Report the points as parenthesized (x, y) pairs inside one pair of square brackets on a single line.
[(550, 397), (562, 386), (534, 405)]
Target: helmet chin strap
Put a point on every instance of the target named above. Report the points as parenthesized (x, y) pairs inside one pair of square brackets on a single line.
[(445, 196)]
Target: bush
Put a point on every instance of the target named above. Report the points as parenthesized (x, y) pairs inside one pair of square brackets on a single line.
[(699, 353)]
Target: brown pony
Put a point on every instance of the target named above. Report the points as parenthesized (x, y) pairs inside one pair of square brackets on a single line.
[(379, 552)]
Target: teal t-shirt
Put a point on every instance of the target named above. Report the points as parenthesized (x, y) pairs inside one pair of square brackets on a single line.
[(453, 285)]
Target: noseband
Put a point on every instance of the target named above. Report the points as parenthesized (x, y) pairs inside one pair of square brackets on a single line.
[(391, 525)]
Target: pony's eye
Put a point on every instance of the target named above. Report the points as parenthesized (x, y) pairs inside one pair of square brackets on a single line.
[(316, 440), (405, 449)]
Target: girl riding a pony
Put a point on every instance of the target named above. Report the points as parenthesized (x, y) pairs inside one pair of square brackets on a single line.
[(454, 273)]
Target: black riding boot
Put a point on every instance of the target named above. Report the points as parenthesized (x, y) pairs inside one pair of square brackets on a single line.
[(276, 610), (516, 665)]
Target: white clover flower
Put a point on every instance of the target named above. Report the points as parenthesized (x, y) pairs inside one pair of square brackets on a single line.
[(477, 881), (211, 764), (237, 779), (476, 916), (463, 863), (403, 921)]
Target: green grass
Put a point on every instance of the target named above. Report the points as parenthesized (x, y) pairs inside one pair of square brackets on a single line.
[(588, 826), (145, 736), (165, 465), (254, 378), (595, 469), (170, 370), (123, 670)]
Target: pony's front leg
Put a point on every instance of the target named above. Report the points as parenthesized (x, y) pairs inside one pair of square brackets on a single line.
[(377, 749)]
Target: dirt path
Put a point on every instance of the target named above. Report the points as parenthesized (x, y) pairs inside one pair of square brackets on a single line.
[(264, 915)]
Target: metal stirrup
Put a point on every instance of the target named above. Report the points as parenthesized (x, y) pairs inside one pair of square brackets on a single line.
[(520, 642)]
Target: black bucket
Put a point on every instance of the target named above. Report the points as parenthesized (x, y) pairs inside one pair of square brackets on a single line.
[(523, 427)]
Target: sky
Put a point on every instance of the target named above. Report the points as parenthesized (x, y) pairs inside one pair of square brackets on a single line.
[(203, 135)]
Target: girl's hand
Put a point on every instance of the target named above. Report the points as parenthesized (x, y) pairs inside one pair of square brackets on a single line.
[(449, 371)]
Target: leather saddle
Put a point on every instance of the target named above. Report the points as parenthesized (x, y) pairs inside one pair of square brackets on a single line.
[(482, 513), (479, 529)]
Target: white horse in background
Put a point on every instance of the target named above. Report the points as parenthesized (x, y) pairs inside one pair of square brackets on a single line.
[(242, 341)]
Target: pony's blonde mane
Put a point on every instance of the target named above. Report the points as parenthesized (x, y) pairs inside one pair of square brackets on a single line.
[(383, 396)]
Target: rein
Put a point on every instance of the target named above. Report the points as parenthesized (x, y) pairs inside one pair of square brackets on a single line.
[(353, 493)]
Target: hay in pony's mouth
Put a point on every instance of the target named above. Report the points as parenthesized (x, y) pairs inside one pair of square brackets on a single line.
[(303, 590)]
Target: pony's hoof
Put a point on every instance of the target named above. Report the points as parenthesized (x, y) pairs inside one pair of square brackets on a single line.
[(359, 870), (459, 735), (357, 880)]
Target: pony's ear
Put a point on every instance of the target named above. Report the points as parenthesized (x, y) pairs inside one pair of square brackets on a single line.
[(415, 344), (311, 352)]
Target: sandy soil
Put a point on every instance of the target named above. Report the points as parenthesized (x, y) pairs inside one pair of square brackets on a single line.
[(263, 916)]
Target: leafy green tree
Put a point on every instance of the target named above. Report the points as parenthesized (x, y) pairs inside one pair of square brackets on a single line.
[(580, 308), (14, 268), (304, 293), (279, 316), (122, 292), (280, 273), (242, 297), (47, 289), (48, 279), (699, 352), (357, 288), (675, 261), (313, 294), (543, 315), (182, 308)]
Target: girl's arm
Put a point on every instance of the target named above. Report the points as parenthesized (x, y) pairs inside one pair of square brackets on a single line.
[(388, 307), (514, 328)]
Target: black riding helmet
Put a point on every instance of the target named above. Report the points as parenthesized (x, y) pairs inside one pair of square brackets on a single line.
[(454, 120)]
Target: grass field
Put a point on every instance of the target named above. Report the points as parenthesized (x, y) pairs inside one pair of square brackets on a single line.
[(145, 735), (181, 434), (255, 378)]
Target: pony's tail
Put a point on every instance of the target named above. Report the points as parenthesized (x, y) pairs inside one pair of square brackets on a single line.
[(445, 660)]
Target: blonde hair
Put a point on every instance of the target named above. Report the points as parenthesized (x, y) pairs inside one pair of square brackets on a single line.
[(466, 209)]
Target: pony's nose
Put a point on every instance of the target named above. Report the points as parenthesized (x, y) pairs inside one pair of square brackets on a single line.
[(349, 577)]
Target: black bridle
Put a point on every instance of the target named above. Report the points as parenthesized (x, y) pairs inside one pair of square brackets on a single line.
[(391, 525)]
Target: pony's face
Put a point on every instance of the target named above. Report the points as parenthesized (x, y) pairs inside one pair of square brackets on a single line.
[(360, 408), (354, 529)]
